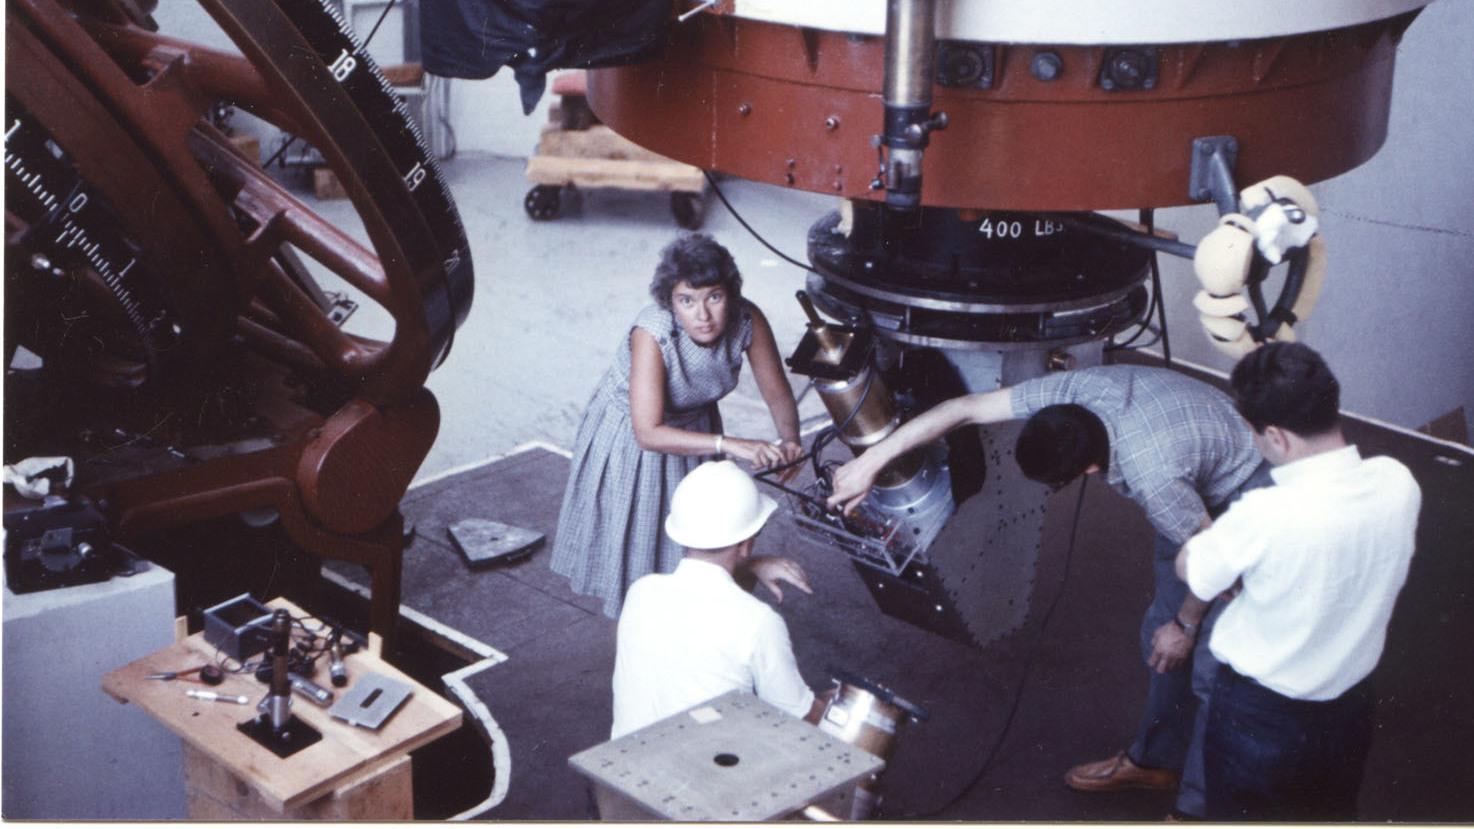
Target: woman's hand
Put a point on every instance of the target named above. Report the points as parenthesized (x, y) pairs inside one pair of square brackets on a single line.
[(771, 570), (792, 451), (758, 453)]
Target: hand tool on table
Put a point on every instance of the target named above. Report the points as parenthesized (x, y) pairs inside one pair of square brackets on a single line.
[(208, 674), (240, 699)]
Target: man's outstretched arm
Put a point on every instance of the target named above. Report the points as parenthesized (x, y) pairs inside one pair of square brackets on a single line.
[(853, 481)]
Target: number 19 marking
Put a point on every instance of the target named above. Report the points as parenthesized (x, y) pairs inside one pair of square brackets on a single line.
[(415, 175)]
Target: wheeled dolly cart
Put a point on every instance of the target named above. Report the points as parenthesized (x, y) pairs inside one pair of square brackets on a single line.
[(576, 151)]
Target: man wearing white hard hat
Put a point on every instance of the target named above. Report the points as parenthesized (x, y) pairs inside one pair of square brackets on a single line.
[(694, 634)]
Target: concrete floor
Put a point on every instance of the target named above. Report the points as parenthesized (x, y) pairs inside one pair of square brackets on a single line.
[(552, 301)]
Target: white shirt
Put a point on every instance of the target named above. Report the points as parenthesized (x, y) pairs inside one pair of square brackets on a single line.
[(691, 635), (1323, 555)]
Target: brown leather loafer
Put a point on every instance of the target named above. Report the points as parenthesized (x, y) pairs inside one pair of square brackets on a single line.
[(1119, 773)]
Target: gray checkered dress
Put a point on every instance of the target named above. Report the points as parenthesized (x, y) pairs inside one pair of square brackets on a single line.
[(610, 528)]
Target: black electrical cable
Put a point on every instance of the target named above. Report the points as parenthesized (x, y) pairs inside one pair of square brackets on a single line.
[(826, 434), (1141, 328), (711, 179), (1148, 218), (291, 139), (377, 23), (1018, 693)]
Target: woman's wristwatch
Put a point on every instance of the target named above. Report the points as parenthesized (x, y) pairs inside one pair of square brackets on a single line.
[(1190, 630)]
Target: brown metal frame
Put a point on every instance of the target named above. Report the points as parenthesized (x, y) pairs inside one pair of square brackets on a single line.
[(129, 105)]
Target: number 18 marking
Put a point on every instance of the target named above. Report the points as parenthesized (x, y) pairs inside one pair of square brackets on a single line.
[(343, 66)]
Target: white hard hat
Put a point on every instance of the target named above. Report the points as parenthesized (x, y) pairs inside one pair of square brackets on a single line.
[(715, 506)]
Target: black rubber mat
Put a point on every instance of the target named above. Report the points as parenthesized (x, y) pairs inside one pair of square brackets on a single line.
[(1066, 692)]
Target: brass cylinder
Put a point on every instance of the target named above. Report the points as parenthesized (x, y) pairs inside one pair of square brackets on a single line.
[(863, 720), (874, 420), (861, 405)]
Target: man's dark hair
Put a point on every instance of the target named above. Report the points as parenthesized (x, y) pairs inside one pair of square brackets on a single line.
[(1287, 385), (1058, 443), (701, 262)]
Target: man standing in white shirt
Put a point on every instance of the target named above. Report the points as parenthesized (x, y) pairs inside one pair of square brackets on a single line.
[(1319, 559), (694, 634)]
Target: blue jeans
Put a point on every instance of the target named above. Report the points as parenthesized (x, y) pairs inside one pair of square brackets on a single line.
[(1272, 758), (1170, 735), (1171, 729)]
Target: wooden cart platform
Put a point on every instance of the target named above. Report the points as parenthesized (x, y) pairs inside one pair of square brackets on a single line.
[(576, 151)]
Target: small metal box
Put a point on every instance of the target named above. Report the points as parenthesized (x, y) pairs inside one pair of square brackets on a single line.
[(239, 627)]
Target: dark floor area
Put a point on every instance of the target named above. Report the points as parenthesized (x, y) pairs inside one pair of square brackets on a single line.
[(1065, 688)]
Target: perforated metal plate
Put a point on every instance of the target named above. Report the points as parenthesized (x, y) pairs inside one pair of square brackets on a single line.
[(734, 758)]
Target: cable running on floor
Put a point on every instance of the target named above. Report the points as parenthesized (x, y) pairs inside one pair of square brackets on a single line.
[(1018, 693)]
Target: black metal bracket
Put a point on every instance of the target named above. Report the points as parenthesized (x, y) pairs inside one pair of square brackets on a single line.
[(965, 65), (1126, 68), (1211, 177), (290, 739), (856, 356)]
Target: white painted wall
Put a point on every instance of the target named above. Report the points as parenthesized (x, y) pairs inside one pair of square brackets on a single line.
[(1397, 313), (487, 116)]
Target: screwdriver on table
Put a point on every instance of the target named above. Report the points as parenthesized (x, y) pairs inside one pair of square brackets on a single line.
[(209, 674), (241, 699)]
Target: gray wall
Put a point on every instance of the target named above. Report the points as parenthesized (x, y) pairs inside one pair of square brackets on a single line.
[(1396, 315)]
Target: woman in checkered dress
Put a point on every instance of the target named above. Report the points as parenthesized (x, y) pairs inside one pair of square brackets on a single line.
[(654, 417)]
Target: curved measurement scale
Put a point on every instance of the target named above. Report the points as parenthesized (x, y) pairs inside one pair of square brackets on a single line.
[(162, 276), (124, 108)]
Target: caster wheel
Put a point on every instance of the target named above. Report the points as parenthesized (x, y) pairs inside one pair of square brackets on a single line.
[(689, 209), (542, 202)]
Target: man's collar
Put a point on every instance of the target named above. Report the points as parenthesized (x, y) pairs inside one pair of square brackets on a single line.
[(698, 568), (1321, 463)]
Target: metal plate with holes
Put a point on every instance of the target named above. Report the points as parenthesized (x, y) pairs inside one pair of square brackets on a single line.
[(733, 758), (987, 555), (371, 701), (486, 542)]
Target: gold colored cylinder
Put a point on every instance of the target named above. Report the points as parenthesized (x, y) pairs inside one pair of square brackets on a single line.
[(873, 421)]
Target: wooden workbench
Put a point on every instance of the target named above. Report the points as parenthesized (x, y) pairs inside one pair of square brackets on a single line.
[(351, 773)]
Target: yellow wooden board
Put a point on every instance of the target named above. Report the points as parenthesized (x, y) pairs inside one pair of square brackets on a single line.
[(598, 141), (670, 176), (283, 783)]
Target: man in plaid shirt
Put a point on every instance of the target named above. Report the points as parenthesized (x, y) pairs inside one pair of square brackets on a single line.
[(1175, 446)]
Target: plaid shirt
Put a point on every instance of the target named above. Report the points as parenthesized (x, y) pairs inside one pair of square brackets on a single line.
[(1178, 446)]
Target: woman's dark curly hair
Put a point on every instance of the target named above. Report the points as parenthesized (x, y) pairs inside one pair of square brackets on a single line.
[(699, 261)]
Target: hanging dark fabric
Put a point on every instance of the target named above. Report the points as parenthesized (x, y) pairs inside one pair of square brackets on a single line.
[(474, 38)]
